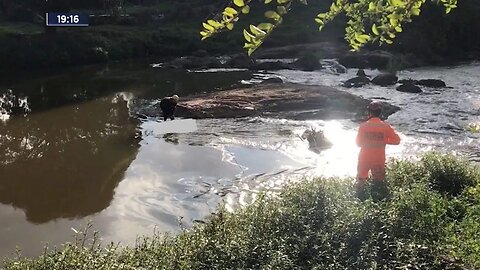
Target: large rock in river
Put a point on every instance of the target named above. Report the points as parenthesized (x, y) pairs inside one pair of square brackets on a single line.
[(385, 79), (409, 88), (432, 83), (289, 101)]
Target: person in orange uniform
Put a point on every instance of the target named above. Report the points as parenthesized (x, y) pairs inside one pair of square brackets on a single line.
[(373, 135)]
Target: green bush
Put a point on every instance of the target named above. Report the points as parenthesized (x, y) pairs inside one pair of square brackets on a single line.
[(317, 224)]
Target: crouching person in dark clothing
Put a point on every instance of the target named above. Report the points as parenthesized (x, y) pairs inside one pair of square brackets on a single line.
[(168, 105)]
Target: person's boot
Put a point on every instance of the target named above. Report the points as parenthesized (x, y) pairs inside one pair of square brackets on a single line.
[(360, 189), (379, 190)]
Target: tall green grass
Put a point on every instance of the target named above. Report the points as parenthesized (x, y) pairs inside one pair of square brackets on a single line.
[(428, 219)]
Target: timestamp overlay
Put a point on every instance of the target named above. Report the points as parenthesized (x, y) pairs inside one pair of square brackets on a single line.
[(57, 19)]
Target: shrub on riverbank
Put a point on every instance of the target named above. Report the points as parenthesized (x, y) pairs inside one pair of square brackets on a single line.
[(429, 220)]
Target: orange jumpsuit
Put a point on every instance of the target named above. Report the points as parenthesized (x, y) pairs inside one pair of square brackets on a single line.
[(373, 135)]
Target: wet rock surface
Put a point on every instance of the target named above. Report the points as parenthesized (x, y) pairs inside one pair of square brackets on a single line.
[(386, 79), (409, 88), (289, 101), (356, 82)]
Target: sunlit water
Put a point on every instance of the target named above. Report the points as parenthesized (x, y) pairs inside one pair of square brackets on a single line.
[(64, 165)]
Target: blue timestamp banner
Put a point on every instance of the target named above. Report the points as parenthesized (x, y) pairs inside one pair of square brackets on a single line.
[(67, 19)]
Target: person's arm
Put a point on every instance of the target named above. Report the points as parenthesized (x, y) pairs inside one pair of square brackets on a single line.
[(358, 139), (392, 136)]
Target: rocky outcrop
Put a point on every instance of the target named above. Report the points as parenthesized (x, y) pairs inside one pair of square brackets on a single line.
[(409, 87), (289, 101), (386, 79)]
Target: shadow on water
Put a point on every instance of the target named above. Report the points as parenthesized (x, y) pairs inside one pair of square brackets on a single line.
[(66, 162)]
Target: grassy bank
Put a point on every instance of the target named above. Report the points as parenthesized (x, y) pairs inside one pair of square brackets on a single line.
[(430, 220)]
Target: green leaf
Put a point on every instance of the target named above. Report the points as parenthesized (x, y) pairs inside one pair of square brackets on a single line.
[(267, 2), (257, 31), (265, 26), (230, 11), (362, 38), (239, 3), (375, 29), (230, 26), (272, 15), (208, 27), (248, 37), (281, 10), (214, 23), (246, 9)]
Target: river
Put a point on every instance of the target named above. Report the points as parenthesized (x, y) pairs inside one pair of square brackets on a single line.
[(73, 153)]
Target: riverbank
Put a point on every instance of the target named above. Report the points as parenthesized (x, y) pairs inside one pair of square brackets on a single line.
[(171, 29), (428, 221)]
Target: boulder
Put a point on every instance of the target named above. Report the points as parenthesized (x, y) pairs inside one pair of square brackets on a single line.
[(432, 83), (409, 88), (308, 62), (356, 82), (333, 66), (385, 79)]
